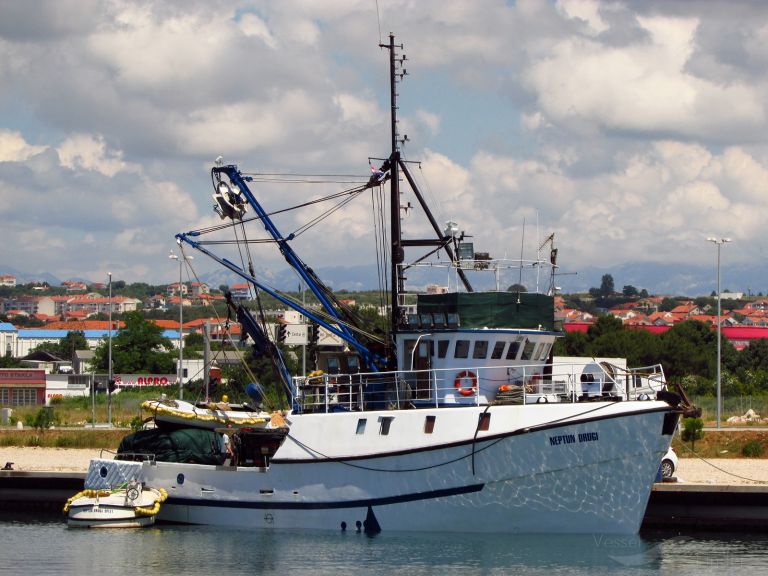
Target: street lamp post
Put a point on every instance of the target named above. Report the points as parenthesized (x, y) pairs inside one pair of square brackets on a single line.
[(109, 360), (718, 242), (180, 371)]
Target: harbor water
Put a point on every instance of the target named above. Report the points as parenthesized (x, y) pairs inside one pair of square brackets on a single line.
[(46, 546)]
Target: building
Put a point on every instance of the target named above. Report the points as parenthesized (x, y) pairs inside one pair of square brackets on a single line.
[(173, 289), (95, 304), (200, 289), (8, 335), (21, 387), (8, 280), (240, 291), (30, 305)]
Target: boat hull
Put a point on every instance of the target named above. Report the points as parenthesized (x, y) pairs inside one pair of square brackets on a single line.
[(93, 515), (129, 507), (569, 469)]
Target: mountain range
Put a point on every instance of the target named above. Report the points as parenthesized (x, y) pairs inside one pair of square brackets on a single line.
[(661, 279)]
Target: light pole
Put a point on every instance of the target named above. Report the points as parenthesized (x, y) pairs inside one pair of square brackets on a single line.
[(718, 242), (180, 374), (109, 361)]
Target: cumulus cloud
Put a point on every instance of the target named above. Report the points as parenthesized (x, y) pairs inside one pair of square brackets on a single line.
[(13, 147), (89, 152), (630, 129)]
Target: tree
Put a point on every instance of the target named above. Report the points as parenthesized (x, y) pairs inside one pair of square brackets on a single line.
[(517, 288), (630, 291), (605, 324), (606, 285), (668, 304), (65, 348), (137, 348)]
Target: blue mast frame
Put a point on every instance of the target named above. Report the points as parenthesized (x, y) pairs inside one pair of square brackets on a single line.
[(236, 178)]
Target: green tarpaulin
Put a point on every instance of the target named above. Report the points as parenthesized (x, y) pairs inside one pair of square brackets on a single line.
[(493, 309), (174, 445)]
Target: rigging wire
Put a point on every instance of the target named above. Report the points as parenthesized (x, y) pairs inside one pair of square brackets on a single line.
[(334, 196)]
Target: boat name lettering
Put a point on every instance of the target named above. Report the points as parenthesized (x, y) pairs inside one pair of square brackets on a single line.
[(573, 438)]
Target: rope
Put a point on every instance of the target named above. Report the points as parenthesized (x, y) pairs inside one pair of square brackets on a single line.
[(696, 455)]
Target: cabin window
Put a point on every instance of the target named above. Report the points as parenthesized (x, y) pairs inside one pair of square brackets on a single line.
[(462, 349), (537, 351), (528, 350), (429, 424), (426, 320), (413, 321), (353, 362), (498, 350), (480, 351), (453, 320), (484, 421), (361, 426), (386, 422), (514, 348), (442, 348), (333, 365), (544, 351), (438, 320)]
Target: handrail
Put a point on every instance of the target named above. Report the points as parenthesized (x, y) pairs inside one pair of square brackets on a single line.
[(560, 382)]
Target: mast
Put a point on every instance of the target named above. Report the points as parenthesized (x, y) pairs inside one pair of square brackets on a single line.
[(394, 164), (397, 280)]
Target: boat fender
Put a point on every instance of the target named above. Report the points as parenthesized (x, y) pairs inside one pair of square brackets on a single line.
[(458, 383)]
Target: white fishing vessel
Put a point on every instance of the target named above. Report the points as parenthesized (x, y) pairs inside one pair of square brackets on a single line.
[(451, 420)]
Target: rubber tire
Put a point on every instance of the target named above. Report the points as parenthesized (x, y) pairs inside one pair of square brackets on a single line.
[(667, 468)]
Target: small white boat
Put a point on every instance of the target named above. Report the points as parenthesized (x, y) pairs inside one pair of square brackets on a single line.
[(131, 506), (210, 415)]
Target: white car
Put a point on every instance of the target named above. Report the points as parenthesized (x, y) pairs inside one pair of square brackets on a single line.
[(668, 464)]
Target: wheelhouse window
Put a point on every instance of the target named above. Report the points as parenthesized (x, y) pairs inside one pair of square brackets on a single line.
[(480, 351), (514, 348), (333, 365), (528, 350), (462, 349), (498, 350), (545, 351)]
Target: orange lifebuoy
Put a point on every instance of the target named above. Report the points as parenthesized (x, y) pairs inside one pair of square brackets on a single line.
[(458, 383)]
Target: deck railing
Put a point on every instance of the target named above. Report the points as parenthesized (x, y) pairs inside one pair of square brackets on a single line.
[(514, 384)]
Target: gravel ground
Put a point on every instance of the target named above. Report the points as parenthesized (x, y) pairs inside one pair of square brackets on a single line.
[(690, 470), (50, 459)]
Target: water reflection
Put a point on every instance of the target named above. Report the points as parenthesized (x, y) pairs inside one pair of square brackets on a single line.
[(49, 547)]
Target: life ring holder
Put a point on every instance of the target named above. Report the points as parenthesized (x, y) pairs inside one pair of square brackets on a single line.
[(458, 383)]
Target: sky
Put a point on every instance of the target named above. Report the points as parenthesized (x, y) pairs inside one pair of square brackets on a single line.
[(631, 130)]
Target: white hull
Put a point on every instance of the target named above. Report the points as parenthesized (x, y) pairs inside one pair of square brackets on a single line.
[(557, 468), (127, 507), (97, 516)]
